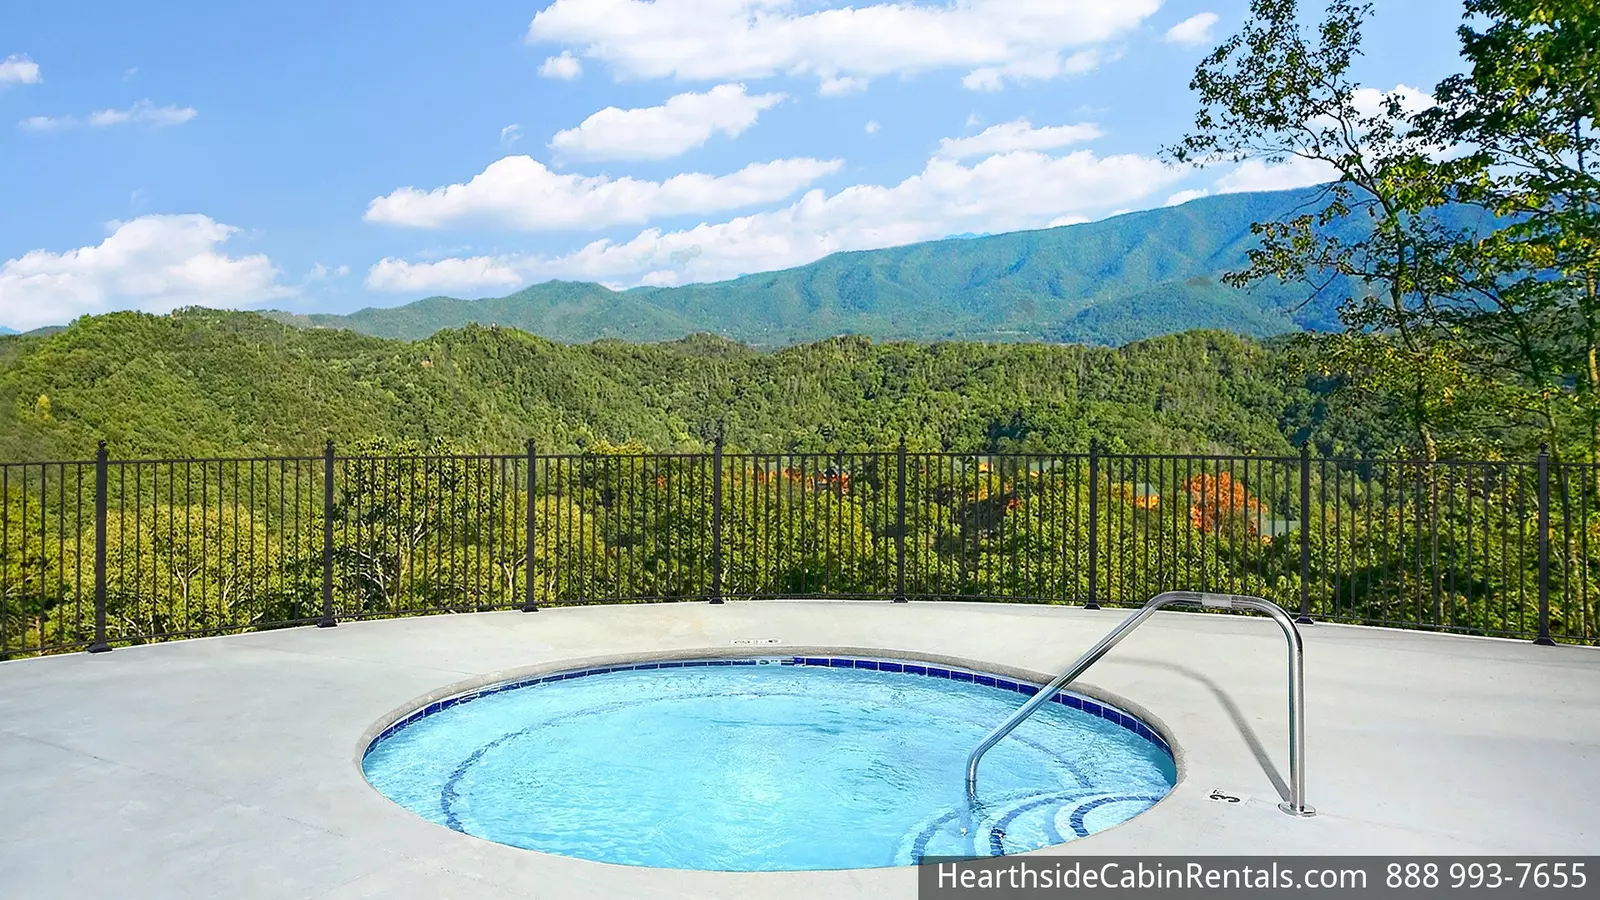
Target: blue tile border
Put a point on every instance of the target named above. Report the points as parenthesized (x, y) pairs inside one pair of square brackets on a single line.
[(1065, 698)]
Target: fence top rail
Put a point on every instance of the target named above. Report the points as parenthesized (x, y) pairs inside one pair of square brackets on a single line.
[(207, 460), (706, 454), (821, 454), (978, 456), (1439, 463), (1198, 457), (427, 457)]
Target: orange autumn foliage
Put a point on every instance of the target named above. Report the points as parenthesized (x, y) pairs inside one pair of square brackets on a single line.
[(827, 479), (1214, 499)]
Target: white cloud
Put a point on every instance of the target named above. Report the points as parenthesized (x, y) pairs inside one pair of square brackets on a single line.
[(1256, 175), (684, 122), (838, 86), (1192, 31), (470, 274), (1298, 172), (1373, 103), (320, 272), (44, 123), (518, 192), (564, 67), (699, 40), (510, 135), (143, 113), (1370, 101), (1183, 197), (872, 126), (1005, 192), (16, 69), (152, 263), (1018, 135), (1034, 68)]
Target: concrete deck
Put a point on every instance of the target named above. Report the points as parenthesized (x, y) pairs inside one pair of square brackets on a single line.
[(226, 767)]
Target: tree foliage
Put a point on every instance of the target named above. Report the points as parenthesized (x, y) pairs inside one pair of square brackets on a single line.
[(203, 383), (1474, 316)]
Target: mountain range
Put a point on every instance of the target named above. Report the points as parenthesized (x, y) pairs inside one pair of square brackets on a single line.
[(1122, 279), (200, 382)]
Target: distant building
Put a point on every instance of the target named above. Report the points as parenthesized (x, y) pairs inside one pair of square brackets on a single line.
[(1140, 494), (1268, 528), (1146, 496)]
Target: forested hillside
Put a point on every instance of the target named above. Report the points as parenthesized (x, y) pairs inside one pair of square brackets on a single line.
[(201, 383), (1122, 279)]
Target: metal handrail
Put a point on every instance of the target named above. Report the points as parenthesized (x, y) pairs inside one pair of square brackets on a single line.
[(1296, 804)]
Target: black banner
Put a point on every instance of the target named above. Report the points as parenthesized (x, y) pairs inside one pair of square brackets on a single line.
[(1265, 877)]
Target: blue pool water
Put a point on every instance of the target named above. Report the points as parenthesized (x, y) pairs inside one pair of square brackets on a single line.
[(768, 765)]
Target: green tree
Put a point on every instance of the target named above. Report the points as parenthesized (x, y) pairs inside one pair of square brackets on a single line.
[(424, 527), (1526, 114), (193, 569), (42, 599), (1272, 93), (1474, 271)]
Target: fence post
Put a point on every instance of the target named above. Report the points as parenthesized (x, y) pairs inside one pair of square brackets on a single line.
[(716, 521), (1305, 534), (101, 480), (529, 604), (327, 620), (900, 525), (1544, 638), (1094, 522)]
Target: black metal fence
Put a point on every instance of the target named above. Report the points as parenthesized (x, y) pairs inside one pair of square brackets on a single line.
[(97, 553)]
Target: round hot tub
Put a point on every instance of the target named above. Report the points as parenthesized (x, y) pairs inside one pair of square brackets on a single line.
[(768, 764)]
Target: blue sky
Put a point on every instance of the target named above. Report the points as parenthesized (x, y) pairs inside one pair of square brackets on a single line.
[(326, 157)]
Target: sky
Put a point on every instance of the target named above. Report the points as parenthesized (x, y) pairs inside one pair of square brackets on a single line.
[(323, 157)]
